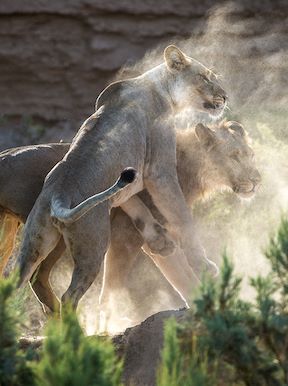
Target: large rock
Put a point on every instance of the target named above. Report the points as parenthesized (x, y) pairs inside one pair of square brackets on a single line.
[(141, 347)]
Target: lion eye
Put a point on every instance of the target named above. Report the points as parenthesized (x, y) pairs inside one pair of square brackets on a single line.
[(204, 77)]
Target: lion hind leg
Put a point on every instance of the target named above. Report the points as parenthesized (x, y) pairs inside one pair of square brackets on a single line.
[(40, 281), (87, 241), (168, 197), (9, 228), (37, 243)]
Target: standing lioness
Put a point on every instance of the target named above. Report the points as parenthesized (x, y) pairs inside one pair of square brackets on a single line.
[(128, 129), (207, 161)]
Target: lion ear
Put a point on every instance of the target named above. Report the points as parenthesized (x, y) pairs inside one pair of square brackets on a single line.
[(205, 135), (175, 59), (236, 127)]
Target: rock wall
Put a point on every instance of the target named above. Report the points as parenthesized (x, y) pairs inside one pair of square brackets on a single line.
[(56, 56)]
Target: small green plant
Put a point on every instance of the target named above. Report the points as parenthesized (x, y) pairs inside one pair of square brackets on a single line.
[(71, 359), (67, 358), (175, 369), (272, 300), (14, 366)]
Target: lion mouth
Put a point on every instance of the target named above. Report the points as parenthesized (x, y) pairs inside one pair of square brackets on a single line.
[(214, 108)]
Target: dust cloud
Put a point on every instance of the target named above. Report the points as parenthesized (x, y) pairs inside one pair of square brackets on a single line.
[(251, 60)]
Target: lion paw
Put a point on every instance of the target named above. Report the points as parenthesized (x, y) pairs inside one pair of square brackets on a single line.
[(161, 243)]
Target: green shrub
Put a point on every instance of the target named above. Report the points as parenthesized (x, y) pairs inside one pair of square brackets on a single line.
[(175, 370), (69, 358), (14, 366), (230, 341)]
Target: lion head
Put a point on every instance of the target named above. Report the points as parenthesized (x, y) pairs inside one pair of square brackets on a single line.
[(229, 160), (192, 85)]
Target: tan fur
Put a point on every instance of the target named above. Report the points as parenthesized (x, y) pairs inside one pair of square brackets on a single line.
[(9, 227), (22, 173), (130, 121)]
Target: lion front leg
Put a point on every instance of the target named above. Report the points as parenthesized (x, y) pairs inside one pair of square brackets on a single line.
[(155, 235), (169, 199), (176, 269), (40, 281)]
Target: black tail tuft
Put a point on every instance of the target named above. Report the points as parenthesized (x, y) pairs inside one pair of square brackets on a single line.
[(128, 175)]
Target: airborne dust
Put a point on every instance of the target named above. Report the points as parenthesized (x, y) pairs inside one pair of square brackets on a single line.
[(251, 59)]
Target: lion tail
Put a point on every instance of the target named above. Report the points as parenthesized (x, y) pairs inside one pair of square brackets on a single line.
[(67, 215)]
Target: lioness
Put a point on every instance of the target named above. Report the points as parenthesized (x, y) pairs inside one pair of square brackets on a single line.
[(128, 129), (22, 174), (207, 161)]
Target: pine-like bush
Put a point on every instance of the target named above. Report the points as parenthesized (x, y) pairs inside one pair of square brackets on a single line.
[(71, 359), (14, 367), (68, 357), (175, 370), (228, 341)]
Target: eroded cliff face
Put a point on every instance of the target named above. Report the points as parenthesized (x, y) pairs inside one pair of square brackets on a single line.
[(56, 56)]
